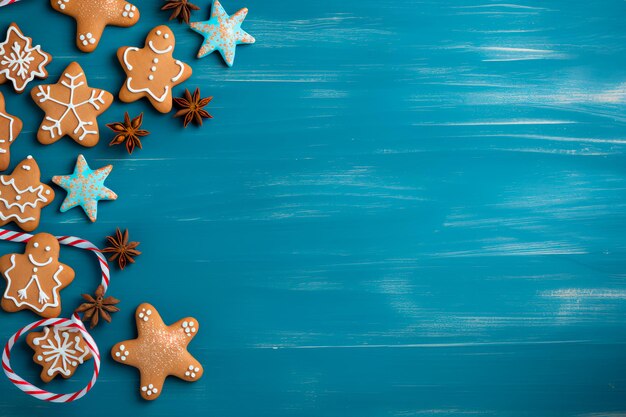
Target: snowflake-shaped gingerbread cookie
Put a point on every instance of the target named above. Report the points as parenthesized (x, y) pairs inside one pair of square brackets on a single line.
[(20, 61), (71, 108), (59, 350)]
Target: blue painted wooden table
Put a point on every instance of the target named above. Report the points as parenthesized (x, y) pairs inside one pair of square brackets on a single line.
[(402, 208)]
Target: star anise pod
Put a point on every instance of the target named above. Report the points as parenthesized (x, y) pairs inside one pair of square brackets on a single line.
[(97, 306), (128, 131), (192, 107), (123, 251), (181, 9)]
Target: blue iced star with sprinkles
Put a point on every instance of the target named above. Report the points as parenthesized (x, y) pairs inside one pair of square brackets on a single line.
[(222, 33), (85, 187)]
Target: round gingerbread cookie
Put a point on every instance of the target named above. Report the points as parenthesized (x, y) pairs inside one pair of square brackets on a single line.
[(35, 278), (152, 71)]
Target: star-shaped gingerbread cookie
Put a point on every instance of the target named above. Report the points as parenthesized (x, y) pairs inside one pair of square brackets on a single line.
[(35, 278), (59, 351), (152, 71), (10, 127), (20, 61), (159, 351), (23, 195), (85, 187), (92, 16), (222, 33), (71, 107)]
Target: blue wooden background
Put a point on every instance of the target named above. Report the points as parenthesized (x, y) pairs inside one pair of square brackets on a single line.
[(402, 208)]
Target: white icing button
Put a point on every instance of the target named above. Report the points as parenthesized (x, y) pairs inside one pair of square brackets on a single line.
[(153, 69), (122, 347), (140, 315), (17, 197), (127, 7), (155, 390), (131, 14), (47, 248), (36, 244), (35, 269), (196, 369), (125, 14), (81, 37), (126, 353), (145, 318), (144, 388), (191, 323), (193, 375), (187, 373), (185, 324), (191, 367), (193, 330), (133, 8), (150, 386), (48, 192), (151, 77), (155, 60), (123, 358), (92, 41), (39, 358), (117, 354)]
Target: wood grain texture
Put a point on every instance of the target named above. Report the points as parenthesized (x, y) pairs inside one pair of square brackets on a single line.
[(402, 208)]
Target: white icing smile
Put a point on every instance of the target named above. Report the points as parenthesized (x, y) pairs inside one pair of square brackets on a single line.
[(32, 260), (159, 51)]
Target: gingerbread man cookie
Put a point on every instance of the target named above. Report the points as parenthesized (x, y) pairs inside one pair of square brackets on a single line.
[(59, 350), (92, 16), (159, 351), (35, 278), (71, 108), (152, 71), (10, 127), (23, 195), (20, 61)]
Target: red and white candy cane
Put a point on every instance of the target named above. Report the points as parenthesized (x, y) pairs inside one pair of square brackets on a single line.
[(73, 322), (7, 2)]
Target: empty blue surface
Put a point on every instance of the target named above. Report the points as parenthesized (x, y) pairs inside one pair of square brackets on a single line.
[(401, 208)]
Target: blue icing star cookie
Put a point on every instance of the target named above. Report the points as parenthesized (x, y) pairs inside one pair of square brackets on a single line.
[(222, 33), (85, 187)]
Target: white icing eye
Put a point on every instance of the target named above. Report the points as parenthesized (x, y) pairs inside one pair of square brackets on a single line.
[(36, 244), (158, 32), (167, 35), (47, 248)]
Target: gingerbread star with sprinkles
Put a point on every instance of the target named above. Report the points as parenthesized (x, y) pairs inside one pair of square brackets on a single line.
[(159, 351), (85, 187), (92, 16), (222, 33)]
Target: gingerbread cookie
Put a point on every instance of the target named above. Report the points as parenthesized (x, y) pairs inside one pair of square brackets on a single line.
[(71, 108), (10, 127), (92, 16), (35, 278), (152, 71), (20, 61), (85, 187), (59, 350), (222, 33), (22, 195), (159, 351)]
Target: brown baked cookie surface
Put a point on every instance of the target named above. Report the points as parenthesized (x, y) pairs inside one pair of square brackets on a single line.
[(159, 351), (59, 351), (92, 16), (152, 71), (35, 278), (71, 108), (23, 195)]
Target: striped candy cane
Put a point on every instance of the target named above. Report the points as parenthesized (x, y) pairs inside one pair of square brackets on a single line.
[(73, 322), (6, 2)]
